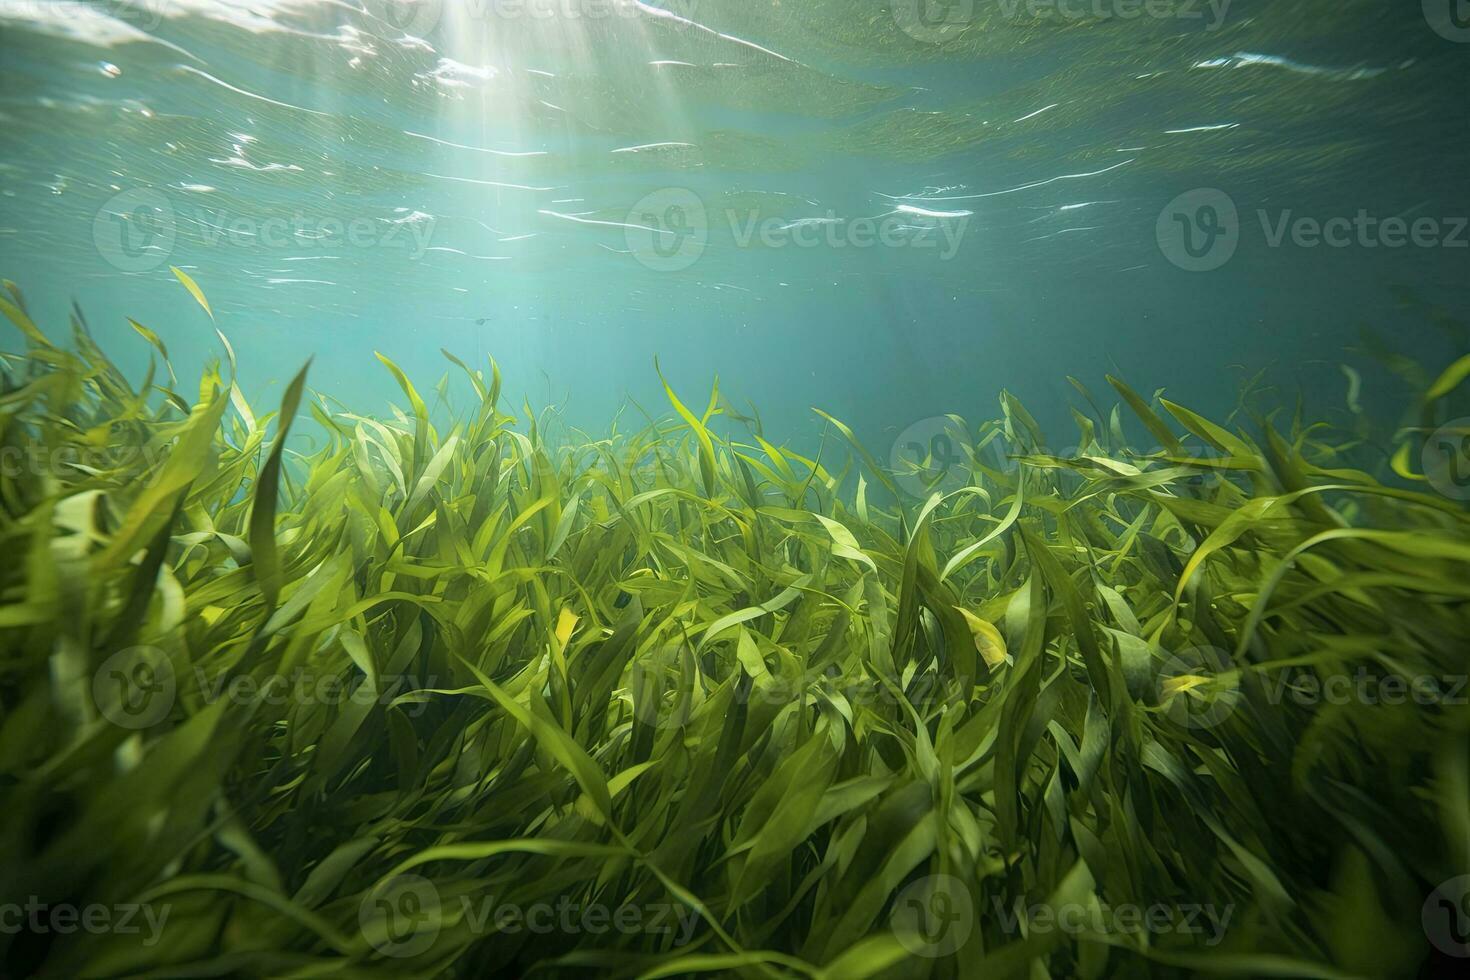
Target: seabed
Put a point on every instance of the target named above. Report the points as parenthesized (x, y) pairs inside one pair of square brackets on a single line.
[(452, 697)]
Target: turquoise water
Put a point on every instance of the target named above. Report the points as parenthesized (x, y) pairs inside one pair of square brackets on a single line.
[(886, 210)]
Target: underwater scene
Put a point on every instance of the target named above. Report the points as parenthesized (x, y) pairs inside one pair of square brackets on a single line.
[(779, 489)]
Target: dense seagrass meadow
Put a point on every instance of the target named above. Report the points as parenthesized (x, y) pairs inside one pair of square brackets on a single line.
[(437, 694)]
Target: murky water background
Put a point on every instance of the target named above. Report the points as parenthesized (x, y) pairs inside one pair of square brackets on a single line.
[(889, 210)]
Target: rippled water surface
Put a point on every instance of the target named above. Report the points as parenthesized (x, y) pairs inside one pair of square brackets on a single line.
[(886, 209)]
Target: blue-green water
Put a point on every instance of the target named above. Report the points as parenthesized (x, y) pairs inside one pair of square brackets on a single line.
[(885, 210)]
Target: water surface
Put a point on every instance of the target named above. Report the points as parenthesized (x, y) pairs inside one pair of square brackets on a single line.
[(884, 210)]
